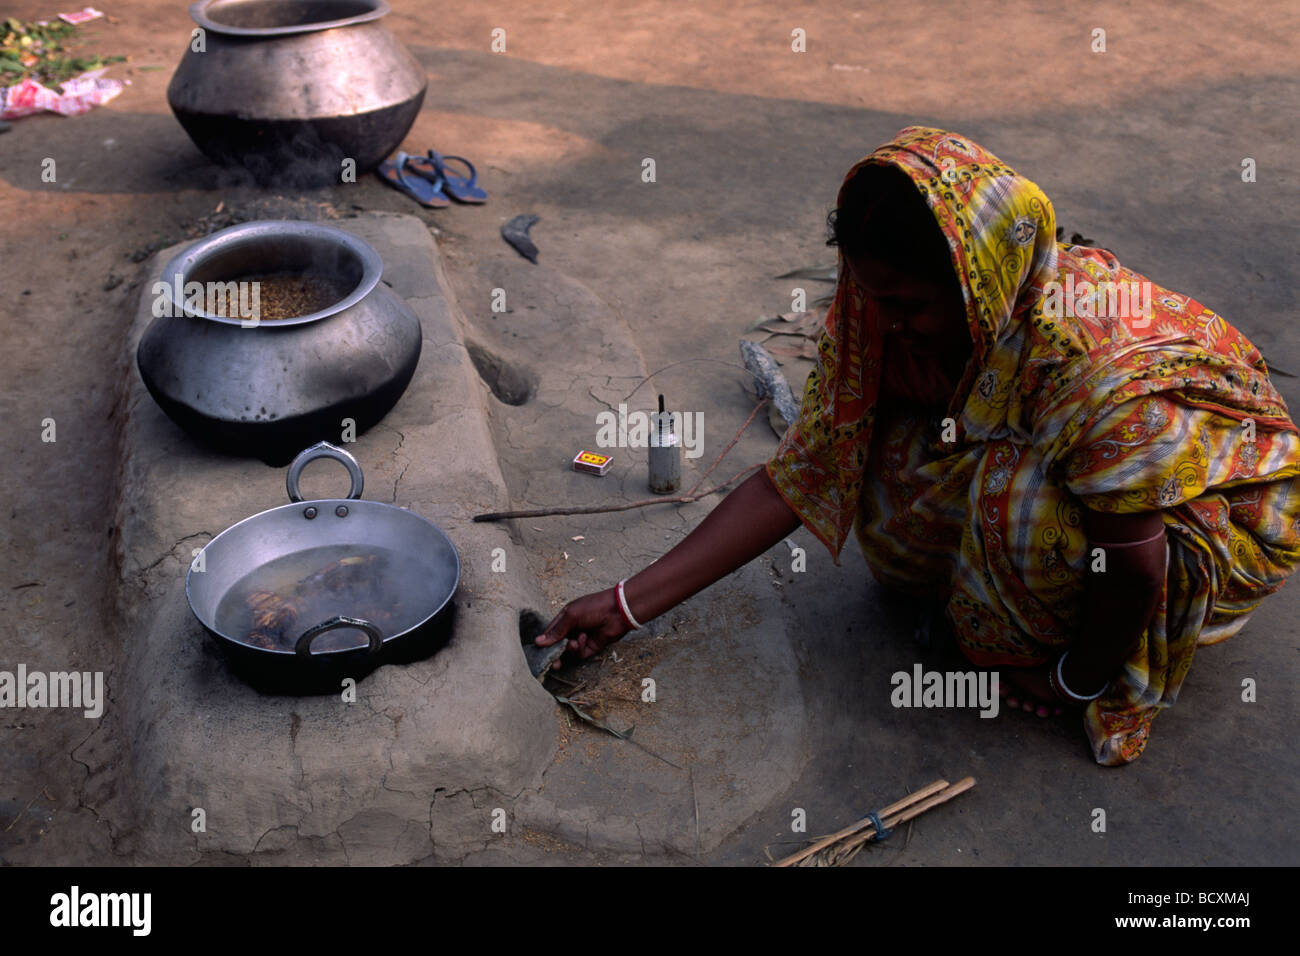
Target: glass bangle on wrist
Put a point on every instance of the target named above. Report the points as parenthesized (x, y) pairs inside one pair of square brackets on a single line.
[(1057, 680), (622, 606)]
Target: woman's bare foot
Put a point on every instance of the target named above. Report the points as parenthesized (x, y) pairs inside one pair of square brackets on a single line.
[(1035, 691)]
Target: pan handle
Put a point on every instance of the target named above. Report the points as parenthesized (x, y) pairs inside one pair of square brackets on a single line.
[(323, 449), (303, 647)]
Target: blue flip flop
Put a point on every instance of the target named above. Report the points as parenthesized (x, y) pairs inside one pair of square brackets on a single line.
[(461, 188), (423, 188)]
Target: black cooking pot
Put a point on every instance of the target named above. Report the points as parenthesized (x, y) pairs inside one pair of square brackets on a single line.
[(292, 90), (341, 586), (269, 388)]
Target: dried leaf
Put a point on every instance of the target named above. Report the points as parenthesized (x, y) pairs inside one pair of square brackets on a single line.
[(794, 323), (817, 273), (625, 735), (804, 350)]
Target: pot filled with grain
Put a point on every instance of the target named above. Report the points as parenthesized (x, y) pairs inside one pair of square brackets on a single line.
[(295, 90), (269, 336)]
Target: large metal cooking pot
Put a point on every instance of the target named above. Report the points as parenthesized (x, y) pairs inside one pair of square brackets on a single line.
[(291, 88), (273, 388), (269, 551)]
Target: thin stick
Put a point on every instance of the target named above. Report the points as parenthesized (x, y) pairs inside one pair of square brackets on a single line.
[(695, 800), (674, 365), (602, 509), (911, 798), (644, 502), (21, 813), (961, 786), (730, 445), (852, 828)]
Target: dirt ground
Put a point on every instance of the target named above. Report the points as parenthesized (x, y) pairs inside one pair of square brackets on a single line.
[(1140, 147)]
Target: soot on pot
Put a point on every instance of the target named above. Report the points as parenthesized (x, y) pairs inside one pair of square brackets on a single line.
[(272, 606)]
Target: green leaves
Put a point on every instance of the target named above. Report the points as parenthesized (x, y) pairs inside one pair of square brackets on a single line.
[(37, 51)]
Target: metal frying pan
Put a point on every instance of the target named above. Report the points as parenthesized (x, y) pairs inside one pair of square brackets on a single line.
[(349, 584)]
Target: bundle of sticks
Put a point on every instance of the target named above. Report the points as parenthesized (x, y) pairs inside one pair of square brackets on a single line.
[(840, 847)]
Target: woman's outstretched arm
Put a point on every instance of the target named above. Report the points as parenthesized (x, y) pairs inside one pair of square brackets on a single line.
[(746, 523)]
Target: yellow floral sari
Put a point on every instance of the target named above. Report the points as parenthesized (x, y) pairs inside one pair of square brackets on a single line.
[(1076, 395)]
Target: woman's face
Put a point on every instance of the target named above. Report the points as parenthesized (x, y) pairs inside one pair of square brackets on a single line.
[(927, 342)]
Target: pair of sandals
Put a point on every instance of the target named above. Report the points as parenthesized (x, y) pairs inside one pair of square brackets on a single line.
[(428, 181)]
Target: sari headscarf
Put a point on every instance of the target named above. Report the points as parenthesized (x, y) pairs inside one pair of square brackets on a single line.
[(1074, 396), (1001, 232)]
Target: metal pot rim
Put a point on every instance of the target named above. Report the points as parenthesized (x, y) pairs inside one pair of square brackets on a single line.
[(183, 262), (324, 505), (198, 13), (351, 503)]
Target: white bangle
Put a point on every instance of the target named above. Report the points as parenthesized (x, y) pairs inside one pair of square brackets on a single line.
[(1060, 683), (627, 611)]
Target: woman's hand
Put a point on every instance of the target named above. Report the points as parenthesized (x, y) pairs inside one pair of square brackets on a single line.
[(588, 624), (746, 523)]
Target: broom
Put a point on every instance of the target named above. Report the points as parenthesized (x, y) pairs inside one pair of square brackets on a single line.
[(840, 847)]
